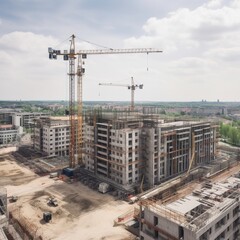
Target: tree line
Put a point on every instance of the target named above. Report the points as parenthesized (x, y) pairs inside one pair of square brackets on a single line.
[(231, 132)]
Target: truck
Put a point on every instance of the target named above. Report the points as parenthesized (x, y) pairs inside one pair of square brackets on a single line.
[(53, 202), (53, 174), (103, 187)]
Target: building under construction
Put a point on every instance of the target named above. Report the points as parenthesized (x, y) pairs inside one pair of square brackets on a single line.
[(133, 149), (209, 212), (3, 207)]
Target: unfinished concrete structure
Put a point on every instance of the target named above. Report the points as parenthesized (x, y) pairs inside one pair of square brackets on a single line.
[(51, 136), (130, 148), (112, 148), (168, 147), (210, 212), (3, 207)]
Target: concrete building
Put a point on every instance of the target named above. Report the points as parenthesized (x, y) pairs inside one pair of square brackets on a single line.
[(51, 136), (25, 119), (9, 134), (3, 207), (209, 213), (6, 116), (112, 149), (168, 147), (130, 148)]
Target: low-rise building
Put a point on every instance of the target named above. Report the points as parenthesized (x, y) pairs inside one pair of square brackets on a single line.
[(26, 119), (9, 134), (211, 212)]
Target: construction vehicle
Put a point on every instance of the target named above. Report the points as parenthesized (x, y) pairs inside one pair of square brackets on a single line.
[(75, 144), (131, 87), (53, 174), (47, 216), (53, 202)]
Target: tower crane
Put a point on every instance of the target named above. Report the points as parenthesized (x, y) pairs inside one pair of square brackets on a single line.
[(75, 144), (131, 87)]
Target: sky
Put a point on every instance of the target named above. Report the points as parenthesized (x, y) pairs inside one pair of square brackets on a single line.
[(200, 41)]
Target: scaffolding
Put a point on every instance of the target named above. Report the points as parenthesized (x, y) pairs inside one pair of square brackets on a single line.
[(3, 207), (159, 142)]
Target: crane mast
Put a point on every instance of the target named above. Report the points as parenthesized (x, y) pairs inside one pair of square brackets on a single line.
[(132, 87), (76, 138), (72, 119), (80, 72)]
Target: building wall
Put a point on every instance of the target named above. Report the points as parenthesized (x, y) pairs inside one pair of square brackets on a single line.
[(157, 227), (26, 119), (221, 226), (113, 153), (8, 134), (56, 140), (167, 151), (122, 151), (220, 220), (51, 136)]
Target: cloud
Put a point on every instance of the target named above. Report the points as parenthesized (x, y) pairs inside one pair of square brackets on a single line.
[(231, 54), (188, 29), (200, 50), (25, 67), (192, 66), (200, 43)]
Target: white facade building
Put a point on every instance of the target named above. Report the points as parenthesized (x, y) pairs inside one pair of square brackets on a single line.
[(9, 134)]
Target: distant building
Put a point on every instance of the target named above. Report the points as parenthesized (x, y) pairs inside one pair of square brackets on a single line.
[(25, 119), (55, 107), (9, 134), (6, 116), (210, 212)]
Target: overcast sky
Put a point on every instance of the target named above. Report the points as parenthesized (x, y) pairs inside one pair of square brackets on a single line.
[(200, 42)]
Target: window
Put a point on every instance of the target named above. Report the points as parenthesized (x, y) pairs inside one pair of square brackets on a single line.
[(130, 135)]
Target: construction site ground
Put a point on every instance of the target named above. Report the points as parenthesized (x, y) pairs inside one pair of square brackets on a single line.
[(82, 213)]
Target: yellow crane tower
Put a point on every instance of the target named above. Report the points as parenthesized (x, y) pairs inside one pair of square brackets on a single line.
[(131, 87), (76, 141)]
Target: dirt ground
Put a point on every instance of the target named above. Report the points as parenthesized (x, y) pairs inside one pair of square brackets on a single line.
[(13, 174), (82, 213)]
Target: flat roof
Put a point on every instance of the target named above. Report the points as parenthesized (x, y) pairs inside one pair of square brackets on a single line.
[(184, 205), (210, 198)]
